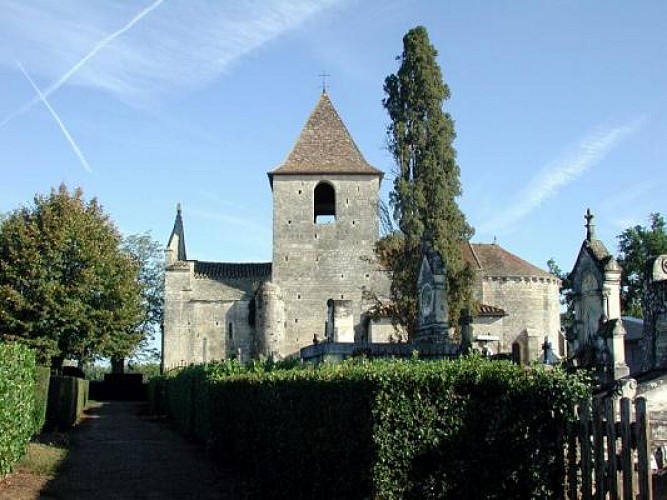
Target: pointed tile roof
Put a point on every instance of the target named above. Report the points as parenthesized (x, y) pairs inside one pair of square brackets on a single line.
[(493, 260), (325, 146), (178, 232)]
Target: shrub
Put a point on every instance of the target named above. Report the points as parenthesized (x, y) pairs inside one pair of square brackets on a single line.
[(67, 400), (382, 429), (17, 403), (42, 376)]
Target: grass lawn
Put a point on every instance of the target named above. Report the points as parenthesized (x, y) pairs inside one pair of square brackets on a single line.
[(42, 459)]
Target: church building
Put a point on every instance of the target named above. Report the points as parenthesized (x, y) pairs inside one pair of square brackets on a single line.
[(316, 288), (325, 226)]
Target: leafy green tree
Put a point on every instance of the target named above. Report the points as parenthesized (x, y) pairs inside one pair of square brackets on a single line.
[(66, 287), (420, 138), (636, 245), (148, 253), (566, 294)]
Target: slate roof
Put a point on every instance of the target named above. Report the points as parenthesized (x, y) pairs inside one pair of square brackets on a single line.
[(325, 147), (229, 270), (178, 232), (494, 260)]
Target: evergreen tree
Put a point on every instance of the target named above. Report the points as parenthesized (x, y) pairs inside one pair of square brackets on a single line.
[(636, 245), (427, 184), (66, 287)]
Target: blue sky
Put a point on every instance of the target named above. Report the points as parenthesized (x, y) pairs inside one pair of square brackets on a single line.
[(559, 106)]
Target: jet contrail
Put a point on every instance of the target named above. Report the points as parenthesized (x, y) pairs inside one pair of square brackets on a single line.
[(68, 136), (98, 46)]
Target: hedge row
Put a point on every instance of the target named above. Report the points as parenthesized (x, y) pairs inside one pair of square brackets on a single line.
[(68, 397), (17, 400), (469, 428), (42, 377)]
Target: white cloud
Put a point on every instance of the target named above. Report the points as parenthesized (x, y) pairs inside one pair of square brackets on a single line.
[(180, 45), (561, 172)]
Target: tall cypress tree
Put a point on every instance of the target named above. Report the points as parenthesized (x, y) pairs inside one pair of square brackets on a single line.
[(427, 184)]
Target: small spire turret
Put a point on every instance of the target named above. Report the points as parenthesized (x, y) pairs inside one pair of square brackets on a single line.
[(176, 243)]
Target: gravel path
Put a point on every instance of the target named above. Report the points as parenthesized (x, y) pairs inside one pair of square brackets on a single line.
[(117, 453)]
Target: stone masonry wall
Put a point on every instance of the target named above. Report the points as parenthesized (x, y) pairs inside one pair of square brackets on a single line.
[(205, 320), (313, 263), (530, 302)]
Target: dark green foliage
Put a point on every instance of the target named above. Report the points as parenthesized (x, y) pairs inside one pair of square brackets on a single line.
[(149, 254), (68, 397), (66, 288), (42, 377), (566, 294), (157, 395), (469, 428), (636, 245), (426, 186), (17, 403)]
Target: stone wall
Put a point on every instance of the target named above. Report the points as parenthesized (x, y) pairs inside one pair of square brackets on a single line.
[(530, 303), (313, 263), (492, 326), (205, 319)]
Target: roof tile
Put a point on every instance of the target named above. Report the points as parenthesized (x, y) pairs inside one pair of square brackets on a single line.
[(232, 270), (325, 146), (494, 260)]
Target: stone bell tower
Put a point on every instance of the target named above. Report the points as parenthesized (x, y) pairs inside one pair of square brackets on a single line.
[(325, 226)]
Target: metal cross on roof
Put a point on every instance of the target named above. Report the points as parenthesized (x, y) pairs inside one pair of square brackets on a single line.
[(324, 76)]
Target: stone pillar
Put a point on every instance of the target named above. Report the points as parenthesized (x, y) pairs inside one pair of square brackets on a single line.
[(611, 313), (340, 326), (269, 319), (611, 290)]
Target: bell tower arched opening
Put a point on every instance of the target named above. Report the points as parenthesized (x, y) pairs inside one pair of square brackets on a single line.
[(324, 204)]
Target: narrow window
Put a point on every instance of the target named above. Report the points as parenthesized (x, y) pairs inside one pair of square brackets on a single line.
[(231, 330), (324, 206)]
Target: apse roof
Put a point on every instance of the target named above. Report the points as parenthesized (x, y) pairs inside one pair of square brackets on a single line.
[(494, 260)]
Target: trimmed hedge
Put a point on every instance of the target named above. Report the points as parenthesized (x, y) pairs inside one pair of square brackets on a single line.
[(68, 397), (17, 401), (42, 377), (468, 428)]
